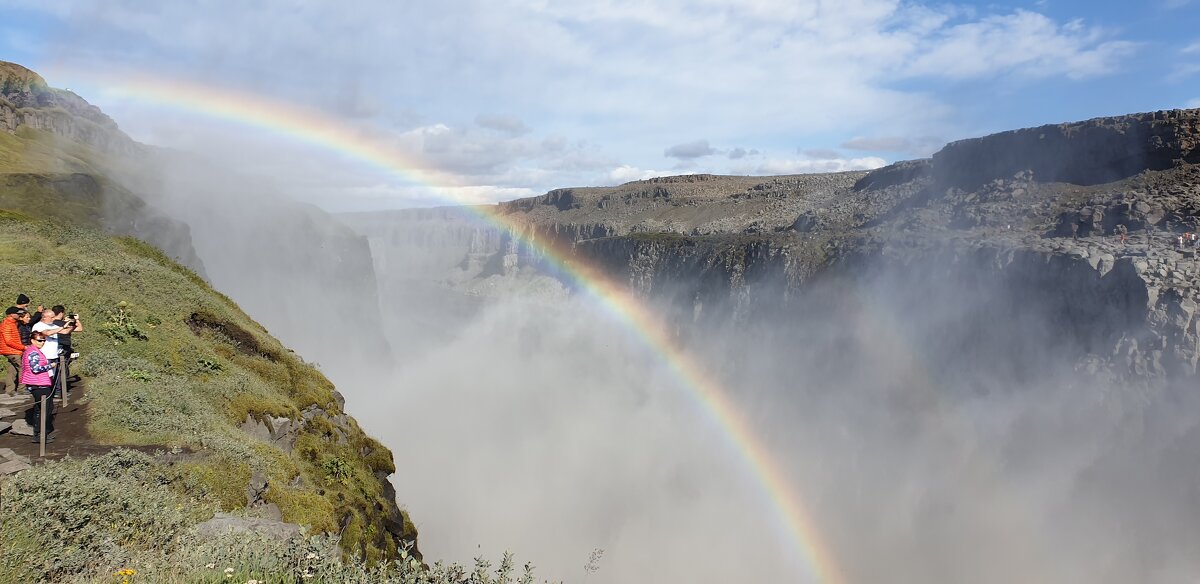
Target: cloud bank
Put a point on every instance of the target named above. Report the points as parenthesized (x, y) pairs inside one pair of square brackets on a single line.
[(483, 89)]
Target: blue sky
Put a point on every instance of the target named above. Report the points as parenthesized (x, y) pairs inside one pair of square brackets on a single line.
[(517, 97)]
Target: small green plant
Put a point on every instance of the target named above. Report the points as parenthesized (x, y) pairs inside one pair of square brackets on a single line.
[(120, 325), (152, 320), (206, 364), (337, 469), (140, 375)]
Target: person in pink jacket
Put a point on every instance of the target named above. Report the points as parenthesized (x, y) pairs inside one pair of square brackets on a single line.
[(35, 374)]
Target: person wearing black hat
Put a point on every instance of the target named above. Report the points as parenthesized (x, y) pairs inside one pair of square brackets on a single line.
[(23, 304)]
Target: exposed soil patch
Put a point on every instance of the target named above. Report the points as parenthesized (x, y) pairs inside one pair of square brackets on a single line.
[(238, 337), (71, 436)]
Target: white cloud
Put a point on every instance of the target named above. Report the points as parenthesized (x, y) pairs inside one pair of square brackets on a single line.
[(511, 125), (1024, 43), (740, 153), (820, 153), (922, 146), (810, 165), (690, 150), (383, 195), (1190, 49), (625, 173), (605, 83), (1192, 103)]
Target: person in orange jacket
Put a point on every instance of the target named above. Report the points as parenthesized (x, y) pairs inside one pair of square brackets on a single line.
[(11, 346)]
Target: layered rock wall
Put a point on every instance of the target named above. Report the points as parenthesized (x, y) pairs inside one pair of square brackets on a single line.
[(27, 101), (1030, 219), (1086, 153)]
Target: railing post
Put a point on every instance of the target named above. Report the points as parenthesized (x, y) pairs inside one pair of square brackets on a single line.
[(64, 376), (42, 434)]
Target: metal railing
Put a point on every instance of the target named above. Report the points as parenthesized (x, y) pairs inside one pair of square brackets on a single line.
[(61, 385)]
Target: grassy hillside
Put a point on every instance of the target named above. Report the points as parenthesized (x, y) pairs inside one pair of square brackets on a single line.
[(191, 406), (171, 363)]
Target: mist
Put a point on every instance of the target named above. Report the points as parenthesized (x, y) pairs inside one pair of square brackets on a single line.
[(939, 423), (943, 416), (941, 419)]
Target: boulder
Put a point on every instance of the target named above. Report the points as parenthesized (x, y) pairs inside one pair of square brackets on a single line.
[(223, 523), (21, 428), (15, 400), (9, 454), (256, 429), (13, 467)]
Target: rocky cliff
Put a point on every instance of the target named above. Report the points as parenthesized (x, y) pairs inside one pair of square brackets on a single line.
[(265, 433), (62, 157), (1034, 212), (26, 100), (55, 150)]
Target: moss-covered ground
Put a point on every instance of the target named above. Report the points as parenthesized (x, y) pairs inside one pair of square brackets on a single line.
[(172, 363)]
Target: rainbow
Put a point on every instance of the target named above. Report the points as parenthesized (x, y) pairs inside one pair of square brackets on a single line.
[(328, 133)]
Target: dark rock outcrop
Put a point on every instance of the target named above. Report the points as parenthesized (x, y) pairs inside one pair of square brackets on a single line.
[(26, 100), (1028, 217), (1096, 151)]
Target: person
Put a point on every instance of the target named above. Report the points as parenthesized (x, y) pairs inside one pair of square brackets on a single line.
[(23, 304), (50, 332), (24, 325), (65, 349), (11, 346), (1122, 232), (35, 374), (61, 320)]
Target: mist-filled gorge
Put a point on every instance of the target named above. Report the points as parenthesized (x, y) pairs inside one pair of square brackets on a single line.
[(670, 291), (932, 416)]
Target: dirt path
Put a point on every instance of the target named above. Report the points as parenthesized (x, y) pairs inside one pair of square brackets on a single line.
[(70, 435)]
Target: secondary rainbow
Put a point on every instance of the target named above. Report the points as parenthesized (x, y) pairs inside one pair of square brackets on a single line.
[(328, 133)]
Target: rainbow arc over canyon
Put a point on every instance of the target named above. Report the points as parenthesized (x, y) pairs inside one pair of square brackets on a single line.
[(328, 133)]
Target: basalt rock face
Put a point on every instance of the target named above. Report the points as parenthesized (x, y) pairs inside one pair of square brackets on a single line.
[(45, 122), (1023, 227), (26, 100), (1084, 153)]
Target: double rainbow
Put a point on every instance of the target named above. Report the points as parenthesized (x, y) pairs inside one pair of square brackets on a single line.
[(328, 133)]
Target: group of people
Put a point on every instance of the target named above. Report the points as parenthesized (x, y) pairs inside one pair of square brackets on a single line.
[(35, 342), (1188, 239)]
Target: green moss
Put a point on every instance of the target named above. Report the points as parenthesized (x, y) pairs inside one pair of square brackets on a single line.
[(304, 508), (23, 251), (6, 215), (20, 549), (223, 481), (197, 369), (140, 248), (379, 458), (259, 406)]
